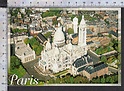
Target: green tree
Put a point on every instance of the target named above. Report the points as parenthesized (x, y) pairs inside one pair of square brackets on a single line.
[(54, 21), (58, 80), (14, 62), (51, 81), (111, 80), (26, 41), (109, 49), (28, 11), (77, 79), (79, 18), (35, 45), (102, 80), (32, 41), (85, 80), (71, 79), (106, 21), (70, 31), (116, 78), (38, 50), (108, 79), (16, 30), (95, 80), (110, 36), (68, 79), (103, 59), (14, 12), (99, 50), (22, 16), (72, 16), (48, 34)]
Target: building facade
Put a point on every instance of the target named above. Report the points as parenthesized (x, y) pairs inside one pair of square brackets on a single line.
[(96, 70)]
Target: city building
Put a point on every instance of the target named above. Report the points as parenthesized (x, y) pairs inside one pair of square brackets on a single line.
[(75, 24), (23, 51), (96, 70)]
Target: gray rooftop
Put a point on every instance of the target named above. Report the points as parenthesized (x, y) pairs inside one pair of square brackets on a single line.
[(79, 62), (93, 56), (22, 49), (96, 67), (41, 37), (80, 69)]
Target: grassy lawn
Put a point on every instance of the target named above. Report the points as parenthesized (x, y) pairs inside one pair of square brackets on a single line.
[(60, 73), (19, 30), (48, 34), (51, 13), (35, 45), (102, 50)]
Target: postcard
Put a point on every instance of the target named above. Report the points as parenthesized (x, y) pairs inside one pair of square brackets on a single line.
[(64, 46)]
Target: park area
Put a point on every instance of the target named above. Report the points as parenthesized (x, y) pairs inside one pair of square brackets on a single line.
[(35, 45)]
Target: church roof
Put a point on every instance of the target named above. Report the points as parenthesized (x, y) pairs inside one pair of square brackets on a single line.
[(41, 37), (90, 42), (96, 67), (79, 62), (94, 57), (56, 51), (82, 61), (80, 69), (75, 35), (89, 31), (22, 49)]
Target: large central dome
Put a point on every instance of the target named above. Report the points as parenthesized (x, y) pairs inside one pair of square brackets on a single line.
[(59, 38)]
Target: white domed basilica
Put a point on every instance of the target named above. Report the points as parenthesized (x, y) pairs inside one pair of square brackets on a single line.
[(59, 38), (59, 55)]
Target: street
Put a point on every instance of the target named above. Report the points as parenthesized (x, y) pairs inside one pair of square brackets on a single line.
[(29, 66)]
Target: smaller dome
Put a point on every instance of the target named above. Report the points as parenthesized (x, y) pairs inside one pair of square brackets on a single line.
[(48, 45), (56, 51)]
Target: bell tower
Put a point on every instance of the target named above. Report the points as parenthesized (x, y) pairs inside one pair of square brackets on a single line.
[(75, 24), (82, 32)]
